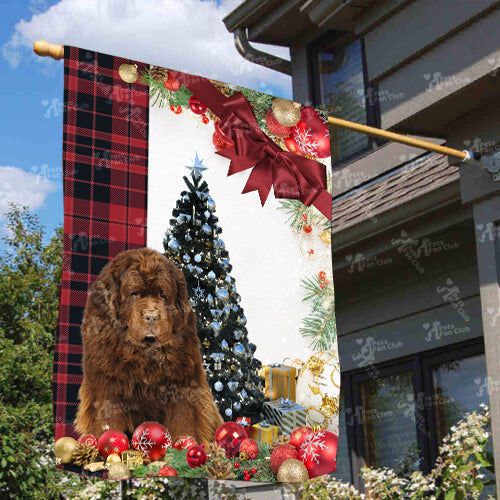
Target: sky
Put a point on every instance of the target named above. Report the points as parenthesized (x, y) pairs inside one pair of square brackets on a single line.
[(186, 35)]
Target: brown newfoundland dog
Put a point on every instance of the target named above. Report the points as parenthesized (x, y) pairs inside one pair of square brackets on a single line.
[(141, 355)]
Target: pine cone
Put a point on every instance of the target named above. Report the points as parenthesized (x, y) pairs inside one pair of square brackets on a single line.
[(222, 87), (84, 455), (214, 451), (158, 74), (219, 469), (278, 441)]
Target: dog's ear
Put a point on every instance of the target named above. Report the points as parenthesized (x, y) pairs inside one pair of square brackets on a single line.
[(182, 300), (104, 296)]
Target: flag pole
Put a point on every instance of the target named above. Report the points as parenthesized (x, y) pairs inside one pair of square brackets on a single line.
[(45, 49)]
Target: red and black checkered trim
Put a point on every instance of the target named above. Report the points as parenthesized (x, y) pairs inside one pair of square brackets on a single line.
[(105, 164)]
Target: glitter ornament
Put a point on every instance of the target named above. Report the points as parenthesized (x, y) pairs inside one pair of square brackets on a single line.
[(230, 435), (168, 471), (280, 454), (64, 448), (88, 439), (286, 112), (250, 447), (184, 442), (292, 471)]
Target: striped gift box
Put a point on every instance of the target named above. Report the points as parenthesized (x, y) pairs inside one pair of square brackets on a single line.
[(286, 414)]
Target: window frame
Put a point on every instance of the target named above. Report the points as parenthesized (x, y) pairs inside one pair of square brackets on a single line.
[(338, 39), (420, 364)]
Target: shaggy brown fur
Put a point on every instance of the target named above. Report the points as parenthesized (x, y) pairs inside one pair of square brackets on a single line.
[(141, 355)]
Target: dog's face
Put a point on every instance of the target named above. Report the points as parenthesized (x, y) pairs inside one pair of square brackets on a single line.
[(145, 296)]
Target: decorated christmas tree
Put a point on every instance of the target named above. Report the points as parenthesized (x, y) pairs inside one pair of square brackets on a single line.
[(193, 243)]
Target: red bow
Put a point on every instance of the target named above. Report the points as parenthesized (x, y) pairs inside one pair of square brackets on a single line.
[(291, 176)]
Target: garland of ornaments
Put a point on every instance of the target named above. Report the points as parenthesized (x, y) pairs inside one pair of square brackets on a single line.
[(305, 454)]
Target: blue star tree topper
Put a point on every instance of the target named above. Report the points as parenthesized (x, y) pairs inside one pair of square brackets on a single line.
[(197, 167)]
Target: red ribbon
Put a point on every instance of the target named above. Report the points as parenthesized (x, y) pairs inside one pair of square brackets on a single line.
[(291, 176)]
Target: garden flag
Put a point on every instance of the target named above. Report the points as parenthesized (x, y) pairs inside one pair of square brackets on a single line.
[(196, 326)]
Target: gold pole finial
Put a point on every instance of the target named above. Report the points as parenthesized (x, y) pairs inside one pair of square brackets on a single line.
[(43, 48)]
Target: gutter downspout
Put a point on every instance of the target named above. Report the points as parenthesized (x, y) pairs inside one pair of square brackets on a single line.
[(257, 56)]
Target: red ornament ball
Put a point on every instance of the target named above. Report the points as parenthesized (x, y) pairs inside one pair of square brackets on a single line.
[(307, 228), (152, 439), (292, 146), (196, 456), (250, 447), (311, 134), (171, 83), (319, 453), (168, 471), (281, 453), (221, 141), (88, 440), (205, 119), (196, 106), (184, 442), (275, 126), (237, 465), (112, 442), (229, 436), (299, 434)]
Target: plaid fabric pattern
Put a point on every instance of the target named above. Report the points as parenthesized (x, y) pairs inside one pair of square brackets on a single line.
[(105, 166)]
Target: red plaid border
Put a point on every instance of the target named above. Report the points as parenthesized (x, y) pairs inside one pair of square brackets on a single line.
[(105, 166)]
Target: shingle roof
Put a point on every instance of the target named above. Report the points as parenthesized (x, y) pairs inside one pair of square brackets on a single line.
[(401, 185)]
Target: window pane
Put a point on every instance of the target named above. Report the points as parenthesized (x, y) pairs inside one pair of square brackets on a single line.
[(459, 387), (343, 472), (342, 90), (389, 427)]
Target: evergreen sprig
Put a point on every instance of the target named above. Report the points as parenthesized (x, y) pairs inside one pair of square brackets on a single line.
[(295, 211), (161, 96), (320, 324)]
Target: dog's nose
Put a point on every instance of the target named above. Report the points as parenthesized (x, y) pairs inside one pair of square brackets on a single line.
[(150, 317)]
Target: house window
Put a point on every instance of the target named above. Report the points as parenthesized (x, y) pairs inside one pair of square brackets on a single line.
[(339, 85), (396, 414)]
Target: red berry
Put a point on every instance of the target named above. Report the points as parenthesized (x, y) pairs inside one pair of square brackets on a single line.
[(322, 275), (253, 471), (176, 109), (304, 217), (322, 285), (237, 465), (205, 119), (245, 472), (246, 478), (307, 228), (327, 282)]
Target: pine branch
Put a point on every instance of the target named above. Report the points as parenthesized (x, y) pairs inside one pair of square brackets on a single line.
[(295, 210), (161, 96), (320, 327)]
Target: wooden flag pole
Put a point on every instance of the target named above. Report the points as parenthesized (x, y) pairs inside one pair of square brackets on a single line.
[(45, 49)]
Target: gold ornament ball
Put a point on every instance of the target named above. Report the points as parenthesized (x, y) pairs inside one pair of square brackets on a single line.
[(286, 112), (128, 72), (292, 471), (113, 459), (118, 471), (64, 449), (326, 237)]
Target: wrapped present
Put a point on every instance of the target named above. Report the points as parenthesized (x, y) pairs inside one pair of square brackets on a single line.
[(280, 381), (246, 423), (264, 432), (286, 414)]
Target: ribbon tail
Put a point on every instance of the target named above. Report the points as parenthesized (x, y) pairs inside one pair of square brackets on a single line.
[(261, 180), (323, 203)]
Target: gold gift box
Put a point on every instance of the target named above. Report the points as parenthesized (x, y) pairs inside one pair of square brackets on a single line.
[(264, 434), (280, 381)]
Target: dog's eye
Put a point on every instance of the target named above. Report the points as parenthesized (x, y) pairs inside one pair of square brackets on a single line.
[(134, 294), (163, 296)]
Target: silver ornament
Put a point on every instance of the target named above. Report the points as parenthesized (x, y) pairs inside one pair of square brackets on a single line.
[(216, 326), (237, 334), (228, 412), (224, 345), (183, 218), (207, 214), (186, 258), (216, 313), (222, 294), (197, 257), (174, 245), (206, 229), (233, 385), (218, 386), (188, 237), (211, 275), (211, 204), (210, 299), (243, 393), (242, 320), (228, 279), (239, 349), (237, 406), (226, 311)]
